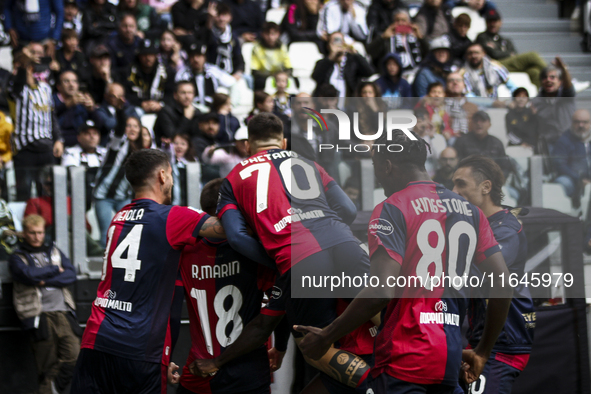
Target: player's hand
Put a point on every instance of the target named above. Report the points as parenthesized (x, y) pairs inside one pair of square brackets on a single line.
[(313, 345), (58, 149), (173, 375), (203, 368), (275, 359), (472, 366)]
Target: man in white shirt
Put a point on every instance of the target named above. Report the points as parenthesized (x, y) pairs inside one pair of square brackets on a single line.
[(345, 16)]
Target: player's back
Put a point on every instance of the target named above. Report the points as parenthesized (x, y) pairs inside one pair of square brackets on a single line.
[(282, 197), (224, 292), (431, 232), (129, 317)]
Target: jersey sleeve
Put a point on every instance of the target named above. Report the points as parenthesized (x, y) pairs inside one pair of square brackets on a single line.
[(387, 228), (487, 244), (183, 226), (278, 296), (327, 180), (226, 199), (508, 241)]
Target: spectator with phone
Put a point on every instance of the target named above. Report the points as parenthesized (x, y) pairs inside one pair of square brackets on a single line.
[(400, 37), (381, 14), (171, 53)]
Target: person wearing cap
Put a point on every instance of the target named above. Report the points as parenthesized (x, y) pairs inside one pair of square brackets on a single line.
[(101, 74), (400, 37), (99, 20), (479, 142), (436, 66), (206, 77), (72, 17), (227, 157), (124, 44), (434, 19), (501, 48), (180, 116), (149, 83), (72, 107), (483, 76)]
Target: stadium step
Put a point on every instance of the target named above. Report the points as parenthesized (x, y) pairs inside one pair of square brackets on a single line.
[(522, 9), (556, 42), (571, 58), (512, 25)]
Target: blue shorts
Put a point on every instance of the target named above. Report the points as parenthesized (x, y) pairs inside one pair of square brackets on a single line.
[(497, 377), (99, 372), (336, 387), (386, 384)]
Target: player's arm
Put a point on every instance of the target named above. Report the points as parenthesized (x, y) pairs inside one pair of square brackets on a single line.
[(241, 241), (254, 335), (341, 203), (368, 303), (212, 228), (496, 314)]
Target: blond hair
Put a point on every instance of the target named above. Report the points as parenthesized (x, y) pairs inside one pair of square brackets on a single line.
[(33, 220)]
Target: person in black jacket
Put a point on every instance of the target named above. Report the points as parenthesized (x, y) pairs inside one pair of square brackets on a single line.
[(379, 15), (179, 117), (521, 121), (459, 36), (188, 17), (70, 58), (300, 21), (351, 67), (99, 20), (247, 19)]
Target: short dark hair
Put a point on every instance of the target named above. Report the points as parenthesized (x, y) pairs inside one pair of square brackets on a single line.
[(264, 126), (433, 85), (217, 100), (326, 90), (413, 154), (268, 26), (520, 90), (223, 8), (463, 20), (181, 83), (259, 97), (141, 164), (375, 87), (209, 195), (69, 33), (421, 112), (485, 169)]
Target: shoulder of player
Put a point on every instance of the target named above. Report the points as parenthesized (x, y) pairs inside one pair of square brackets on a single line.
[(505, 224)]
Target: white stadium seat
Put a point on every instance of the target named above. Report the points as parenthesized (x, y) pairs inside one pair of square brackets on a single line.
[(522, 80), (271, 89), (553, 197), (275, 15), (247, 54), (148, 121), (6, 58), (303, 56), (498, 128), (307, 85), (478, 24)]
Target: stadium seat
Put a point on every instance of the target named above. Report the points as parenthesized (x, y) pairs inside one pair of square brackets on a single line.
[(360, 48), (275, 15), (519, 152), (303, 56), (498, 128), (585, 201), (307, 85), (6, 58), (478, 23), (148, 121), (523, 80), (17, 209), (508, 200), (378, 196), (553, 197), (247, 55), (271, 89)]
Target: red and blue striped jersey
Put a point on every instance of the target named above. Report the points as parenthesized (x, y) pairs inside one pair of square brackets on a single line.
[(224, 292), (429, 231), (282, 197), (130, 314)]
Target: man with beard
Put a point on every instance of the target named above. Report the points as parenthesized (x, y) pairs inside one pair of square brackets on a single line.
[(448, 162), (482, 75), (149, 83), (127, 332), (459, 109), (124, 44)]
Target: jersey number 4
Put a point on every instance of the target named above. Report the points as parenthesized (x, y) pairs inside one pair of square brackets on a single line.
[(286, 170), (131, 243)]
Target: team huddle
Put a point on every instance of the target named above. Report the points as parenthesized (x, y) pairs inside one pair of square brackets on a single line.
[(278, 217)]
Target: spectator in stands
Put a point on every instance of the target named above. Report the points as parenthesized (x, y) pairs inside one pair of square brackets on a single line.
[(482, 75), (427, 131), (269, 55), (458, 36), (436, 66), (72, 17), (434, 104), (501, 48), (171, 53), (222, 105), (521, 121), (188, 17), (247, 19), (163, 8), (37, 137), (391, 83), (124, 44), (106, 116), (448, 162), (112, 191), (263, 102), (179, 117), (32, 21), (459, 109), (149, 24), (209, 135), (42, 62), (149, 83), (87, 153), (146, 139), (344, 16), (479, 142), (482, 6), (571, 156), (343, 67), (556, 115), (45, 306), (296, 130), (101, 74), (381, 14), (6, 129), (433, 19), (227, 157), (206, 77), (99, 20), (300, 21), (70, 58), (402, 38), (183, 153), (282, 98), (72, 107)]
